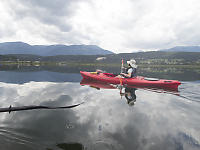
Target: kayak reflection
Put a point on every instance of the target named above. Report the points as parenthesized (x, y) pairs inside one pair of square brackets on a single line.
[(128, 91)]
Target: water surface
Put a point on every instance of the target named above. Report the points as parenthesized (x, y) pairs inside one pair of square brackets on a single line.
[(105, 120)]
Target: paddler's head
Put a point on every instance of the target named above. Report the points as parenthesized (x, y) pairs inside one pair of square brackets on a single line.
[(132, 63)]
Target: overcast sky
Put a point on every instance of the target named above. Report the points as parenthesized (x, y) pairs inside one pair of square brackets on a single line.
[(116, 25)]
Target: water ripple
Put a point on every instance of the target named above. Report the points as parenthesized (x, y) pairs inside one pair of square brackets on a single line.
[(13, 136)]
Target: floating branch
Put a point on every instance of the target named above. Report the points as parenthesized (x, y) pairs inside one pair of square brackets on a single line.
[(21, 108)]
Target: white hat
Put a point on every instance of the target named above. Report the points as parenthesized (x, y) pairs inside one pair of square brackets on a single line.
[(132, 62)]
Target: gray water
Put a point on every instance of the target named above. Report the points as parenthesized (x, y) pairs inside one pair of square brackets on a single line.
[(157, 120)]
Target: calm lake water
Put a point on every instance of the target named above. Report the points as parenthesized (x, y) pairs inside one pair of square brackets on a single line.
[(157, 120)]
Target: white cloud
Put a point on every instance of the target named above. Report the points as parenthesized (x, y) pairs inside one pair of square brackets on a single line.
[(118, 25)]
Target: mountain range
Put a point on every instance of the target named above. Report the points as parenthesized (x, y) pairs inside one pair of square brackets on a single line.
[(50, 50), (183, 49), (54, 50)]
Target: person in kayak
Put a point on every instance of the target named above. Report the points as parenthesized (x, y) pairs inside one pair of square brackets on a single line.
[(130, 72)]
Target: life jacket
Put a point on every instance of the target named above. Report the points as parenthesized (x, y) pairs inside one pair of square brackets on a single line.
[(133, 74)]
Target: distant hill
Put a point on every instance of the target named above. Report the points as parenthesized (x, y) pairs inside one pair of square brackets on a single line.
[(183, 49), (50, 50), (111, 58)]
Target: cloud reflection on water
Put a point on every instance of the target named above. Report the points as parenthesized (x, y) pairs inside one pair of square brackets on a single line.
[(157, 121)]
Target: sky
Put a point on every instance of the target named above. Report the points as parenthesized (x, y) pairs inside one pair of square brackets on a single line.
[(115, 25)]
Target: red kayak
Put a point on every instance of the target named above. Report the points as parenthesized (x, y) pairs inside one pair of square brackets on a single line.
[(136, 81)]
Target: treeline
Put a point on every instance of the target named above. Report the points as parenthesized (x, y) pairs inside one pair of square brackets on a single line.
[(153, 57)]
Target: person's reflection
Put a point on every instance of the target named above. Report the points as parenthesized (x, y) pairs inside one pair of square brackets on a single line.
[(129, 95)]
